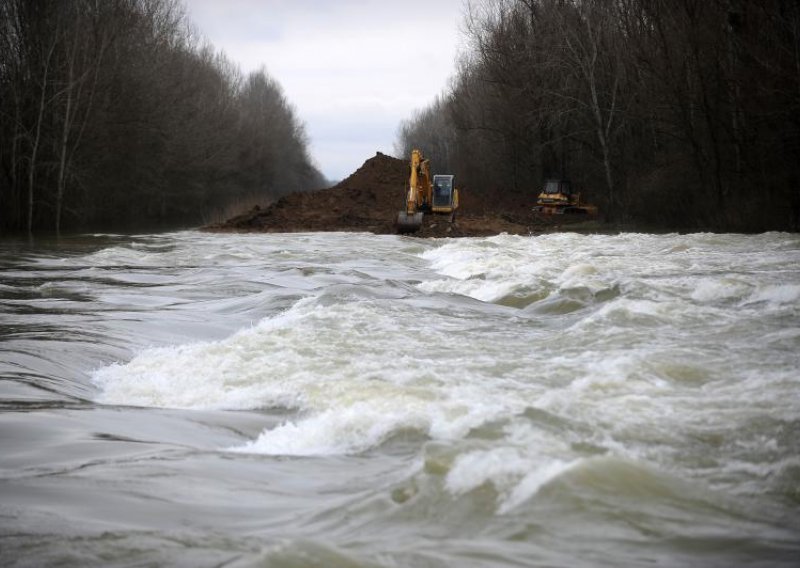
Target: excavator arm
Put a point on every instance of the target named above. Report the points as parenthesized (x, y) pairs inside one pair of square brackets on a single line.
[(410, 220)]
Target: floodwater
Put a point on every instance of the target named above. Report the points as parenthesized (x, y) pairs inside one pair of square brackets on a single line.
[(351, 400)]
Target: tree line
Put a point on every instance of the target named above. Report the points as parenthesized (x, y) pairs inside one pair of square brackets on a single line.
[(117, 114), (681, 114)]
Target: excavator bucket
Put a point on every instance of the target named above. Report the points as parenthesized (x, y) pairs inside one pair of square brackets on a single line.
[(409, 223)]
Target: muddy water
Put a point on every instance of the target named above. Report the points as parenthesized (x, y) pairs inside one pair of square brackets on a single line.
[(357, 400)]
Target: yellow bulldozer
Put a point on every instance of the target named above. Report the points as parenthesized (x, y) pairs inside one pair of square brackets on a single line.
[(558, 198), (426, 195)]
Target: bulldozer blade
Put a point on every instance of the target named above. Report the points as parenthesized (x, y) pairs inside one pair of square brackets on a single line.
[(408, 223)]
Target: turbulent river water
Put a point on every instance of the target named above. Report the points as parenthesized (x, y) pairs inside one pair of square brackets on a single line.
[(354, 400)]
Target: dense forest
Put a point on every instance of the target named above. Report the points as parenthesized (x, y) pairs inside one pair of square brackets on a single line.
[(117, 114), (680, 114)]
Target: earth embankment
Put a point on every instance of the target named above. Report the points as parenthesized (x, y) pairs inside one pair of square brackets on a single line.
[(369, 200)]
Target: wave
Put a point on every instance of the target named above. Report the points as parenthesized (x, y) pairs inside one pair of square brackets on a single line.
[(468, 334), (337, 360)]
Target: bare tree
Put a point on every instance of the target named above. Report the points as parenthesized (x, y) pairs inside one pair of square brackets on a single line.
[(118, 113), (678, 109), (84, 40), (591, 55)]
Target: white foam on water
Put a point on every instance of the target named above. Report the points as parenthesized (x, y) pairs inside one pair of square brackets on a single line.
[(485, 273), (584, 275), (342, 430), (720, 289), (650, 395), (230, 374), (356, 371), (502, 466), (670, 350), (500, 266), (776, 294), (517, 470), (533, 481)]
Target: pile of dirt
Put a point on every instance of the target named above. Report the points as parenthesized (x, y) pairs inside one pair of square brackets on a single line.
[(369, 201)]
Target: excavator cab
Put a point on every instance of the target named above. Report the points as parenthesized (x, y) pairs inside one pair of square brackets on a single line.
[(443, 194)]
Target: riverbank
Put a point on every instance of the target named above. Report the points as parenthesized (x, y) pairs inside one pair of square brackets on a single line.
[(370, 198)]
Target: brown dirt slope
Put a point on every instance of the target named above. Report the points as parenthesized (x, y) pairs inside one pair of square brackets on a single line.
[(369, 201), (362, 202)]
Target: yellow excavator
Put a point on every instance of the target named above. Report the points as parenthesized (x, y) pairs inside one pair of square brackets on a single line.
[(437, 195)]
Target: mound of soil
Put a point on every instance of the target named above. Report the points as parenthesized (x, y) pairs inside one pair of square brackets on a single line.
[(369, 201)]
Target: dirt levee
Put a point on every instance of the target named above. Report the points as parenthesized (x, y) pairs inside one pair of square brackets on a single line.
[(370, 199)]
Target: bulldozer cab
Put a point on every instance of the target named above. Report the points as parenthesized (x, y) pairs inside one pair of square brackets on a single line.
[(443, 190), (556, 186)]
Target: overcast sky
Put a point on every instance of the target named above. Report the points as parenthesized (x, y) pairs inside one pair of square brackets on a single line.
[(353, 69)]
